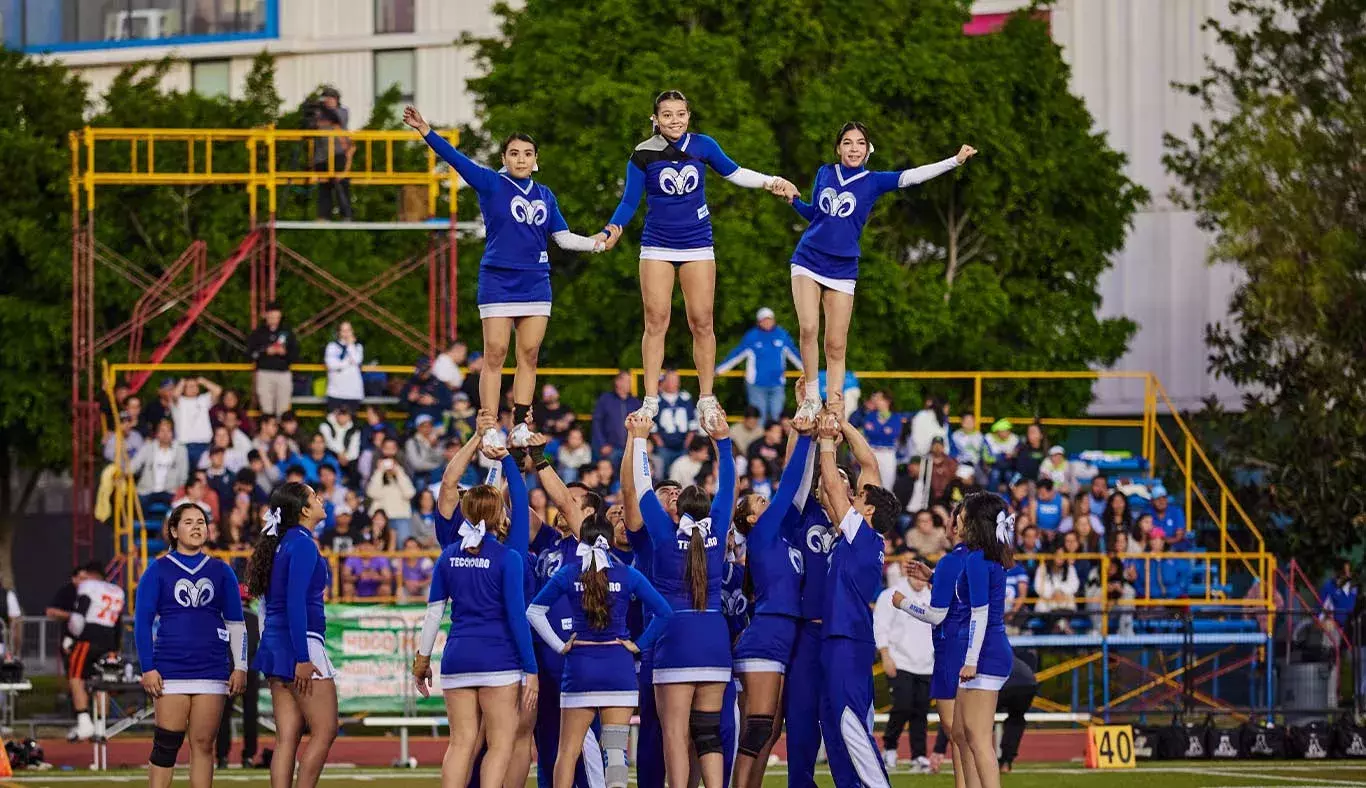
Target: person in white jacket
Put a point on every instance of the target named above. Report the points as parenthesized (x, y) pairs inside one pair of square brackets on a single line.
[(343, 357), (906, 646), (1056, 584)]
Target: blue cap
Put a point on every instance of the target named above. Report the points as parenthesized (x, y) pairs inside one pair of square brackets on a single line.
[(476, 355), (1160, 491)]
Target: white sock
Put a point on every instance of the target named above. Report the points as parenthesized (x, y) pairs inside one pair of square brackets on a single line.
[(650, 399), (83, 718), (813, 390)]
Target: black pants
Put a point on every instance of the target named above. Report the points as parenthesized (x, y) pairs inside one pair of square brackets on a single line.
[(1014, 701), (338, 189), (249, 701), (910, 704)]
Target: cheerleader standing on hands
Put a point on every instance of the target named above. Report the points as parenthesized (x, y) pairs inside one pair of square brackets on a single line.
[(670, 170), (825, 263), (198, 655), (520, 216), (692, 660), (287, 570)]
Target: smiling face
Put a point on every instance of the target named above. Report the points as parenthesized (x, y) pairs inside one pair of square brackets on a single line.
[(853, 148), (672, 117), (519, 156)]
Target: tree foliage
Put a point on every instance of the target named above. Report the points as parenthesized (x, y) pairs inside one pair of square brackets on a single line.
[(1279, 181), (994, 267)]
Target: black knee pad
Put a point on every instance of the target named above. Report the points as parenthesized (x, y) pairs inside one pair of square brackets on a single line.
[(758, 730), (705, 728), (165, 747)]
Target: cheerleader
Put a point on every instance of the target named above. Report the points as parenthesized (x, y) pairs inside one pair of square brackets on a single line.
[(669, 168), (692, 660), (288, 572), (737, 605), (520, 215), (989, 535), (848, 650), (599, 666), (949, 615), (487, 660), (649, 737), (192, 646), (825, 263), (764, 650)]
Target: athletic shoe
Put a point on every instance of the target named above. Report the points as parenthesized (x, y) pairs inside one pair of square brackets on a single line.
[(521, 435), (920, 765), (810, 409), (649, 408), (85, 728), (889, 759), (493, 439), (72, 733), (708, 412)]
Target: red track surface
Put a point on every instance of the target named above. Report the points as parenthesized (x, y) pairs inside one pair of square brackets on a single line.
[(382, 751)]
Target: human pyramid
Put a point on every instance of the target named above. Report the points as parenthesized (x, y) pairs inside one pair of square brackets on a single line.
[(628, 603)]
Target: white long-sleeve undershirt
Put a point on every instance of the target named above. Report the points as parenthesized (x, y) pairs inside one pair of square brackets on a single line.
[(925, 172)]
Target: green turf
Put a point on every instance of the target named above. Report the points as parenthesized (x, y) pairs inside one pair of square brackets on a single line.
[(1168, 775)]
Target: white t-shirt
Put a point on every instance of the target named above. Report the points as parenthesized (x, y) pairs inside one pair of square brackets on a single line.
[(344, 379), (163, 460), (910, 640), (447, 371), (191, 418)]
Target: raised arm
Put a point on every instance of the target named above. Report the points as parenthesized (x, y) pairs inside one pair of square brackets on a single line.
[(723, 504), (476, 175), (766, 531), (836, 498), (657, 521), (519, 530), (630, 504), (449, 496), (887, 181), (514, 605), (554, 486), (863, 455)]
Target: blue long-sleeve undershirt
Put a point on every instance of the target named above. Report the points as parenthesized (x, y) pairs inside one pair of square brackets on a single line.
[(514, 607)]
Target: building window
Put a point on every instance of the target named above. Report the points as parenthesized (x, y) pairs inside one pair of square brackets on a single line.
[(211, 78), (64, 25), (396, 67), (394, 16)]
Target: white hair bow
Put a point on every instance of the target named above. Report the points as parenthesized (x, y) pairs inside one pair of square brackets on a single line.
[(594, 556), (686, 526), (737, 553), (1005, 527), (472, 535), (272, 524)]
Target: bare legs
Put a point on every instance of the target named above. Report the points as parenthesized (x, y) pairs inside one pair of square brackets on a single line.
[(319, 708), (973, 731), (199, 715), (762, 695), (698, 279), (497, 341), (676, 703), (839, 308)]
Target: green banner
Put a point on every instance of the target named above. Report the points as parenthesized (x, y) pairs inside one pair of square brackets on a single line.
[(372, 648)]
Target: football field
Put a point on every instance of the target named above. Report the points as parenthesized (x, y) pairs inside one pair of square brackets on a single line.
[(1235, 774)]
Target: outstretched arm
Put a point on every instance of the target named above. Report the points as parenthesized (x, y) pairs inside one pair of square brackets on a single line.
[(449, 496), (835, 494), (739, 353), (709, 151), (476, 175), (519, 507), (630, 197), (887, 181), (630, 503), (863, 455), (554, 486), (766, 530), (564, 238)]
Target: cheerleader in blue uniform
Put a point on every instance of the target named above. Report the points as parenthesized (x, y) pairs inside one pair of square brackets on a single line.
[(670, 170), (287, 570), (692, 659), (192, 646), (599, 661), (520, 217), (989, 535), (765, 649), (848, 650), (737, 605), (487, 660), (949, 615), (825, 263)]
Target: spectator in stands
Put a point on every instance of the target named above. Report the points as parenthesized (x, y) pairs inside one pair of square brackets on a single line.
[(1004, 445), (1142, 527), (1115, 517), (1122, 581), (330, 488), (926, 536), (1171, 577), (607, 486), (365, 574), (1018, 496), (1032, 453), (462, 417), (190, 413), (372, 423), (1017, 592), (217, 473), (125, 434), (943, 470), (273, 347), (676, 421), (968, 446), (423, 394), (231, 403), (1057, 469), (390, 490), (574, 453), (132, 407), (1081, 510), (1048, 508), (757, 479), (341, 436), (1057, 586), (766, 350), (332, 158), (281, 457), (1071, 544), (416, 572), (471, 385), (1088, 541), (609, 417), (159, 408), (1167, 517), (238, 439), (911, 491), (1338, 596), (423, 453), (267, 427), (161, 465), (332, 100), (446, 367), (928, 423), (684, 470), (965, 482), (343, 358), (553, 418), (747, 431), (266, 474), (1100, 494), (316, 457), (771, 448), (380, 532), (233, 459), (906, 647), (423, 522), (882, 429), (245, 482), (342, 535), (196, 491), (1030, 543)]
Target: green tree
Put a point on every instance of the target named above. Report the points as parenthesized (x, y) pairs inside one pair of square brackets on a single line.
[(991, 268), (1277, 179)]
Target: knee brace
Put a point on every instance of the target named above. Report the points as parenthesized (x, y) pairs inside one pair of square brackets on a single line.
[(615, 740), (165, 747), (705, 729), (758, 730)]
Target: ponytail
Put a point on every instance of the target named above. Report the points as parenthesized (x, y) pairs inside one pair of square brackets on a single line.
[(597, 606), (694, 502), (284, 511)]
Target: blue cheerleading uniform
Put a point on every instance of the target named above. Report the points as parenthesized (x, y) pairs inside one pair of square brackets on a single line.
[(1049, 513), (672, 177), (188, 623), (984, 642), (295, 622), (847, 655), (520, 217), (948, 614), (598, 676), (841, 201), (695, 646), (776, 565), (650, 740)]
